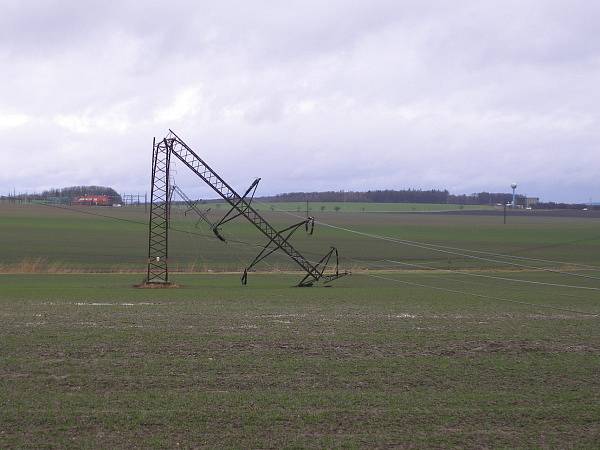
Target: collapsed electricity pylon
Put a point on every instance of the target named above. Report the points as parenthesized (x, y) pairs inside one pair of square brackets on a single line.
[(240, 206), (192, 206)]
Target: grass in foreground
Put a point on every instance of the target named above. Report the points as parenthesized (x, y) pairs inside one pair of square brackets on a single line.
[(86, 360)]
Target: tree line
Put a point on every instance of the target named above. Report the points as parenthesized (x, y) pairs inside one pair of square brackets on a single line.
[(397, 196), (67, 194)]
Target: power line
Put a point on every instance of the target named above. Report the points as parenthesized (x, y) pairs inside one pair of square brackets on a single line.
[(377, 266), (372, 236), (515, 280), (137, 222), (436, 248), (502, 255), (431, 247), (81, 211), (362, 274), (487, 297), (179, 230)]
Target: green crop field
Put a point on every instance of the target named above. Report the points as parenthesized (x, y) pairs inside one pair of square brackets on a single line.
[(354, 207), (483, 351), (42, 238)]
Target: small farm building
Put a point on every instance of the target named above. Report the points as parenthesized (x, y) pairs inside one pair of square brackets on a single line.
[(92, 200)]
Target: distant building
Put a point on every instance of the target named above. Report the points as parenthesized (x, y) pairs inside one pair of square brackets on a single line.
[(531, 201), (92, 200)]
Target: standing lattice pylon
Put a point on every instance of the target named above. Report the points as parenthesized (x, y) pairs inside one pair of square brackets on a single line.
[(158, 242)]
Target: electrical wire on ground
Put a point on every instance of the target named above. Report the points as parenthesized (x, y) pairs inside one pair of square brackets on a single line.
[(482, 296), (377, 265), (410, 283), (514, 280), (206, 236), (436, 248), (502, 255)]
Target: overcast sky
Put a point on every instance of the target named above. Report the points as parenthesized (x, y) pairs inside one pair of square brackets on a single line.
[(309, 95)]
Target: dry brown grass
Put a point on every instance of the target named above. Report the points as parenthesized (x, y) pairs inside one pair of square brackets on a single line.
[(146, 285)]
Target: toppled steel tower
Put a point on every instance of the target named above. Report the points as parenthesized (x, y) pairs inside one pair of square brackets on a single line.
[(241, 205)]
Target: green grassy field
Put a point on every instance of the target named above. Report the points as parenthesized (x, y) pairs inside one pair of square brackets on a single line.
[(355, 207), (384, 358), (38, 238)]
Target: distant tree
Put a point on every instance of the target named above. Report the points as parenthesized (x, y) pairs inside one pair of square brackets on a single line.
[(71, 192), (553, 205), (397, 196), (322, 207), (385, 196), (337, 208)]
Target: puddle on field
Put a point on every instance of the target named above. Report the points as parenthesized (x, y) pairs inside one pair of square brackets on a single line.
[(114, 304), (403, 316)]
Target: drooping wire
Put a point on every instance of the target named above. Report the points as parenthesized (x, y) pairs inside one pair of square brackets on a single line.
[(435, 248), (482, 296), (514, 280), (360, 233), (366, 234), (172, 228), (377, 265), (359, 273), (504, 255)]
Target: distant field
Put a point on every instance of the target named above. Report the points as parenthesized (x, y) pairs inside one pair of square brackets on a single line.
[(38, 238), (340, 207), (475, 354)]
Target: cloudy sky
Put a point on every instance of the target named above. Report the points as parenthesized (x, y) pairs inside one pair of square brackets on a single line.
[(309, 95)]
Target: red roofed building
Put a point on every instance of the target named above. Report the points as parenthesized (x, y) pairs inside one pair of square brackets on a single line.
[(92, 200)]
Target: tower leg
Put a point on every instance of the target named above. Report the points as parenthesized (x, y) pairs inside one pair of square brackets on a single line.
[(158, 243)]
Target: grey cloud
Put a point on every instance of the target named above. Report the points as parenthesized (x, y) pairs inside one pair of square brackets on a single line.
[(308, 95)]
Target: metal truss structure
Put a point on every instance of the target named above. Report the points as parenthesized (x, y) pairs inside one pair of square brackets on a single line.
[(241, 205), (192, 205), (160, 200)]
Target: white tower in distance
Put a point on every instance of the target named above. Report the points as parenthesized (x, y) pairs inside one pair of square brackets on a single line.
[(514, 187)]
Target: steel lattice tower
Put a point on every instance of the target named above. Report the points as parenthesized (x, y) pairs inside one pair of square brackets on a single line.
[(158, 241), (241, 205)]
